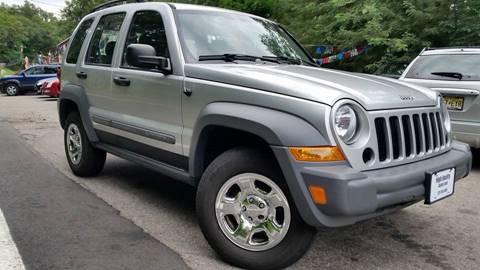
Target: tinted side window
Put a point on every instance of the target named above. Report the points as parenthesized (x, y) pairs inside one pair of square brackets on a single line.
[(50, 70), (77, 42), (147, 28), (102, 45), (34, 71)]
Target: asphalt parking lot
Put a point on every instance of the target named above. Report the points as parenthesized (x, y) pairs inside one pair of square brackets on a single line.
[(442, 236)]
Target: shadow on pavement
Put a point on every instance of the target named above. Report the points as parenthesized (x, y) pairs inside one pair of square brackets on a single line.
[(476, 159), (157, 187), (348, 245), (50, 99)]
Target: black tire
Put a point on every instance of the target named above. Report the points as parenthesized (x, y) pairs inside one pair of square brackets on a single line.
[(91, 160), (13, 86), (229, 164)]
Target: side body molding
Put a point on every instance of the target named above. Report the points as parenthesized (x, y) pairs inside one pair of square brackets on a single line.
[(77, 95), (275, 127)]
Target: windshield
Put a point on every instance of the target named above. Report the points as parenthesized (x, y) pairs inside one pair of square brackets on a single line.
[(204, 33), (468, 65)]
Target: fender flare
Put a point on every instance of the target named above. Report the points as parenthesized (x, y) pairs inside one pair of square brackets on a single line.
[(275, 127), (15, 81), (78, 96)]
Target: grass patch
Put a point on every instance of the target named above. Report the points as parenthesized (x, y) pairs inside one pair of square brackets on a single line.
[(6, 72)]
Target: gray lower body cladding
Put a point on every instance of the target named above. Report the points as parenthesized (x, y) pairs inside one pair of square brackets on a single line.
[(353, 196)]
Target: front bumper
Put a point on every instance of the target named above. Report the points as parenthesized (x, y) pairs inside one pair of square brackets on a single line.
[(467, 132), (353, 196)]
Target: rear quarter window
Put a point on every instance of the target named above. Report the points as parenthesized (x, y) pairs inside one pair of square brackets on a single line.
[(466, 64), (78, 39)]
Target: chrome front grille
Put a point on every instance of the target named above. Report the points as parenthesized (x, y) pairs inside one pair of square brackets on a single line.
[(407, 136)]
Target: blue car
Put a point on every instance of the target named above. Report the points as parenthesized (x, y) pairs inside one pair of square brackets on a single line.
[(25, 80)]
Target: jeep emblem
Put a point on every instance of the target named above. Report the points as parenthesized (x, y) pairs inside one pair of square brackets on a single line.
[(407, 98)]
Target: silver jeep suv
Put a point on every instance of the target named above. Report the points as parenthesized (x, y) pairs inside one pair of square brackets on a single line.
[(231, 104), (455, 73)]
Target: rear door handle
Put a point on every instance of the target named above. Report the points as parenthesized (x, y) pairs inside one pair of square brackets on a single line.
[(82, 75), (121, 81)]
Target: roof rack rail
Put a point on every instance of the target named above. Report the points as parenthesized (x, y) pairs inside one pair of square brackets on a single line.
[(454, 47), (115, 3)]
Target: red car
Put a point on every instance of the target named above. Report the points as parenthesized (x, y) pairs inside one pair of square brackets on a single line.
[(51, 88)]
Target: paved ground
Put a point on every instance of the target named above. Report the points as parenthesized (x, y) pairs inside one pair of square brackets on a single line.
[(56, 224), (443, 236)]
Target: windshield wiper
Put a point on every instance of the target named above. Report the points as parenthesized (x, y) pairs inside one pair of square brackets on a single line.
[(455, 75), (233, 57), (286, 59)]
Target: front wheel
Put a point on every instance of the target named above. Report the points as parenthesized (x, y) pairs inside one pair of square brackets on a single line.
[(12, 89), (84, 159), (246, 213)]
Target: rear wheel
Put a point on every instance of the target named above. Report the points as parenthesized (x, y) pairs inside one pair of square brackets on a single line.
[(246, 213), (84, 159), (12, 89)]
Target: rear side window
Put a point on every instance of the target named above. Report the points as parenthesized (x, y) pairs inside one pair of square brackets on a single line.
[(104, 39), (468, 65), (35, 71), (147, 28), (51, 70), (77, 41)]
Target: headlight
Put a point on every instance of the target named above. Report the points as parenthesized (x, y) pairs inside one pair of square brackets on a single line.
[(346, 123), (446, 116)]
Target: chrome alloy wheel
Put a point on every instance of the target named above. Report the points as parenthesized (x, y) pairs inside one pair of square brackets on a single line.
[(11, 90), (74, 144), (252, 212)]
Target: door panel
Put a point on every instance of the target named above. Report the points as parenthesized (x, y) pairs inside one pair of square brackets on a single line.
[(145, 102), (69, 67), (96, 72), (32, 75)]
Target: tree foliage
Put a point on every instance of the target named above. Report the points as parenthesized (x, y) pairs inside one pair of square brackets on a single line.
[(29, 27), (395, 29)]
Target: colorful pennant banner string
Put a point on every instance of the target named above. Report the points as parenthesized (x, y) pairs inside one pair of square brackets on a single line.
[(338, 55)]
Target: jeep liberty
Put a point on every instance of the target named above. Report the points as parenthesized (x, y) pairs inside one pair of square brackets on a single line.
[(233, 105)]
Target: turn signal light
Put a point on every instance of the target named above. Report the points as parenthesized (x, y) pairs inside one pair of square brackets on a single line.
[(318, 194), (317, 154)]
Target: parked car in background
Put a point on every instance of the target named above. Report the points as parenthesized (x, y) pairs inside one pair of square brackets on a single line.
[(392, 69), (455, 73), (25, 80), (38, 86), (231, 104), (51, 87)]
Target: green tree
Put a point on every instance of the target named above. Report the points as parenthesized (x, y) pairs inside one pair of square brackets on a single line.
[(29, 27), (74, 11), (395, 29)]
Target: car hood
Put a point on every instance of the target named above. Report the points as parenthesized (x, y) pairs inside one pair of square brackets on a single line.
[(318, 84), (46, 80)]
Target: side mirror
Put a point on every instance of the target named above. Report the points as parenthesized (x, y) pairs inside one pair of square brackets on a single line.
[(23, 74), (145, 56)]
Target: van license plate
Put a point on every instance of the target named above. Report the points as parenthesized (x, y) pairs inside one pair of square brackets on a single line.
[(439, 185), (454, 103)]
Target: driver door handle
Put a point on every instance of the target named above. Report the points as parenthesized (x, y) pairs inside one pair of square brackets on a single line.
[(121, 81)]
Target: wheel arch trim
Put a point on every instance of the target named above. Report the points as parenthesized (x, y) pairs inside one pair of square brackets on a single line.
[(275, 127), (77, 95)]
